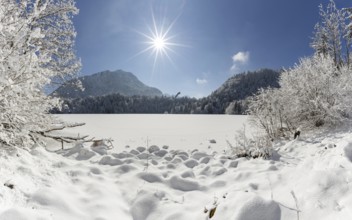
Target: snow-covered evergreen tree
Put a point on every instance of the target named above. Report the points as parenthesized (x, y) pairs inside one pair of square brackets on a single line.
[(333, 34), (347, 27), (36, 46), (320, 40)]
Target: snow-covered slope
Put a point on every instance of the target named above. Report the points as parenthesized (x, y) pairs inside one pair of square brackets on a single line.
[(310, 178)]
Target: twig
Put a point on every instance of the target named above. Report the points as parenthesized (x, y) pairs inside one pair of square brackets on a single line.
[(295, 198), (285, 206), (61, 139), (62, 127), (271, 189), (147, 165)]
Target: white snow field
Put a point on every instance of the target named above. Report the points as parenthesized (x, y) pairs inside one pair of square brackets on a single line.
[(177, 177), (178, 131)]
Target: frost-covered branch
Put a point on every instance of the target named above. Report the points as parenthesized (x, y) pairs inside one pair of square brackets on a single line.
[(62, 127)]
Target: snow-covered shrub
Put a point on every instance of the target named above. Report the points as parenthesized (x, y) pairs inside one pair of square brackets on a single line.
[(314, 93), (267, 112), (36, 48), (256, 147)]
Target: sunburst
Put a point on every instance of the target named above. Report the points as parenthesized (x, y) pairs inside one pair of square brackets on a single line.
[(159, 41)]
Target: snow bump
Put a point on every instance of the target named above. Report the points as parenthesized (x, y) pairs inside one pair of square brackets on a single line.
[(183, 184), (153, 148), (107, 160), (348, 151), (160, 153), (191, 163), (150, 177), (258, 208)]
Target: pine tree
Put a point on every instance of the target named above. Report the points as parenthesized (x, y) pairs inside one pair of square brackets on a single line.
[(347, 27), (320, 40), (328, 32)]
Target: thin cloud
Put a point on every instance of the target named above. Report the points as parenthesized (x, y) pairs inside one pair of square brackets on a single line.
[(239, 59), (201, 81)]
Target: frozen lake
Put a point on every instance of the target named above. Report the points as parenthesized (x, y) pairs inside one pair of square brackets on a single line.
[(176, 131)]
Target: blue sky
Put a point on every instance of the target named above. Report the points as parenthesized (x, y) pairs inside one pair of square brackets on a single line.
[(214, 39)]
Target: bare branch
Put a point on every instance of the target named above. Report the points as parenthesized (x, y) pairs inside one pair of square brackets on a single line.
[(62, 127)]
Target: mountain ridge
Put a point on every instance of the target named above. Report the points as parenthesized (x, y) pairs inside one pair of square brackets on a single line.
[(106, 83)]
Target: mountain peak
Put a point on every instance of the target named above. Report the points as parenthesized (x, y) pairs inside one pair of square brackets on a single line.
[(105, 83)]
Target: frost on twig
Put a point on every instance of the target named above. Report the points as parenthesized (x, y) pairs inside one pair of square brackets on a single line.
[(297, 208), (61, 138)]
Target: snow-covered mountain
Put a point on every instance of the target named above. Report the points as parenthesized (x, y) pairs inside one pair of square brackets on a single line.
[(241, 86), (230, 97), (106, 83)]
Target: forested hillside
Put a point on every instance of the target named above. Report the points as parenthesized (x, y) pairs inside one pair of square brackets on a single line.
[(230, 98)]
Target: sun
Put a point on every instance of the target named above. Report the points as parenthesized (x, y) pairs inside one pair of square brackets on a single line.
[(159, 42)]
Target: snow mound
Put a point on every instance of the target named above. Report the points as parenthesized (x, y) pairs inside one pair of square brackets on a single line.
[(85, 154), (122, 155), (188, 174), (183, 184), (160, 153), (24, 214), (233, 164), (198, 155), (125, 168), (191, 163), (219, 171), (205, 160), (134, 152), (348, 151), (100, 149), (46, 197), (141, 149), (73, 150), (143, 206), (258, 208), (107, 160), (143, 156), (153, 148), (150, 177)]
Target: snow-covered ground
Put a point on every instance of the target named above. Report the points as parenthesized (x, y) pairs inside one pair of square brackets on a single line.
[(177, 131), (177, 179)]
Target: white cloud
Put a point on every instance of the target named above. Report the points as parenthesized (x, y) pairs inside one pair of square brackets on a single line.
[(201, 81), (240, 58)]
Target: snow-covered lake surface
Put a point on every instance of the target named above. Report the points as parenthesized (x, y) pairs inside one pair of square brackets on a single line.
[(176, 131), (310, 179)]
